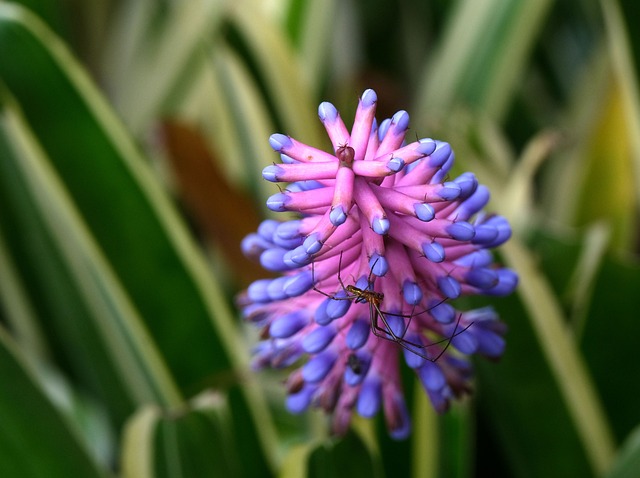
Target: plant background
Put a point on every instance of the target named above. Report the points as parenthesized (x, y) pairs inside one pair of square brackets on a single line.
[(132, 137)]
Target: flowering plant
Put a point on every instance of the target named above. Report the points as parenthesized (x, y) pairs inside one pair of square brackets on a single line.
[(384, 243)]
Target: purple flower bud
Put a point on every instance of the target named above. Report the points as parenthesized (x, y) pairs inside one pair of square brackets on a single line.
[(280, 142), (318, 339), (449, 286), (318, 367), (412, 293), (272, 173), (327, 112), (507, 282), (299, 402), (425, 212), (431, 376), (287, 325), (298, 284), (358, 334), (433, 251), (370, 398)]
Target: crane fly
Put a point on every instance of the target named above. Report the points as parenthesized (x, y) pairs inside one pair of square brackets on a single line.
[(376, 314)]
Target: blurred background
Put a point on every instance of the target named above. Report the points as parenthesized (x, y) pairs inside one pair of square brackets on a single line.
[(132, 139)]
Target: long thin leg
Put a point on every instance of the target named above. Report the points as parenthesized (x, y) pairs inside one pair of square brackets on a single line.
[(407, 344)]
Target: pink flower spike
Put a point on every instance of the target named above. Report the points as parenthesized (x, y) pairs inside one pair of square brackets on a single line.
[(370, 206), (332, 122), (395, 134), (362, 125), (370, 273)]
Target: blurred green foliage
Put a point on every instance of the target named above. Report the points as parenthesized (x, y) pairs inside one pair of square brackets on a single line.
[(132, 137)]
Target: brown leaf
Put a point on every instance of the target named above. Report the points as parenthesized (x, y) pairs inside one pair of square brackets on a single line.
[(222, 214)]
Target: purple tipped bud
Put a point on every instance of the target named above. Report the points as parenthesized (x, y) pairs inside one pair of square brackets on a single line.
[(273, 260), (369, 98), (411, 352), (275, 289), (473, 203), (465, 342), (298, 284), (450, 191), (468, 184), (461, 231), (507, 282), (363, 283), (397, 417), (433, 251), (337, 216), (336, 307), (267, 228), (378, 265), (287, 325), (503, 230), (395, 164), (312, 244), (412, 292), (440, 155), (253, 245), (299, 402), (358, 334), (383, 128), (280, 142), (370, 398), (431, 376), (380, 225), (449, 286), (482, 278), (327, 112), (490, 344), (278, 202), (479, 258), (287, 159), (318, 367), (426, 146), (424, 211), (401, 120), (297, 257), (272, 173), (443, 313), (395, 324), (257, 291), (485, 234), (320, 315), (318, 339)]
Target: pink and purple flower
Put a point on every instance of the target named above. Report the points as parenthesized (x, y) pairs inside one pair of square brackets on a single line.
[(381, 216)]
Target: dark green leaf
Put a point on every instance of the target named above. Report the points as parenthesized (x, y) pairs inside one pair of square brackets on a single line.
[(36, 440)]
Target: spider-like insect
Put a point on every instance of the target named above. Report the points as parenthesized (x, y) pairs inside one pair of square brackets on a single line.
[(376, 314)]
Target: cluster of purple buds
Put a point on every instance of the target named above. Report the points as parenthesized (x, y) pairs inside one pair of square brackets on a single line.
[(384, 242)]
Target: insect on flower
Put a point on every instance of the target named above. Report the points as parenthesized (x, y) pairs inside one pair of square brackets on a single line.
[(355, 364), (374, 300), (384, 211)]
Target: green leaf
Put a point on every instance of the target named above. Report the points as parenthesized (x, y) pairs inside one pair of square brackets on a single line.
[(481, 56), (74, 291), (199, 440), (135, 227), (35, 439), (278, 68), (347, 456), (130, 217), (153, 52), (627, 463), (543, 385)]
